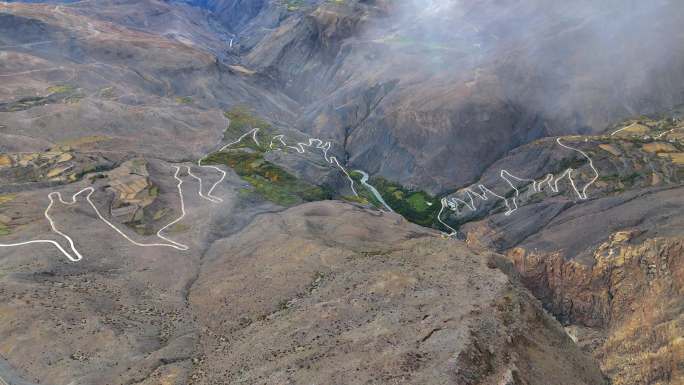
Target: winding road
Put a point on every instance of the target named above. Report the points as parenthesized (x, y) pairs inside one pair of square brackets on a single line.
[(550, 181), (75, 255), (469, 198), (376, 194), (320, 145)]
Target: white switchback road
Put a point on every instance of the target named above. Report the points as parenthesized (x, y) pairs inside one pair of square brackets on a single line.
[(74, 255), (376, 194), (468, 199)]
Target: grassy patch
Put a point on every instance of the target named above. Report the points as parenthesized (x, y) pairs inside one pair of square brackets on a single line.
[(365, 196), (242, 120), (61, 89), (179, 228), (24, 104), (293, 5), (417, 206), (355, 199), (99, 168), (270, 181), (159, 214), (6, 198), (621, 182), (56, 94), (566, 163), (184, 100), (630, 180), (4, 229)]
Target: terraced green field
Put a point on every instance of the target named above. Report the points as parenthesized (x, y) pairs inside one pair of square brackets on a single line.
[(269, 180)]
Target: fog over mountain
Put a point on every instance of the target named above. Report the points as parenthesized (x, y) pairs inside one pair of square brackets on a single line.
[(507, 72), (466, 192)]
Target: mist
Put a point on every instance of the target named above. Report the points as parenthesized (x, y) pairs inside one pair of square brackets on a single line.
[(582, 64)]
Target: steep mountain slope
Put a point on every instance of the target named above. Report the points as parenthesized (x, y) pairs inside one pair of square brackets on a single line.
[(281, 301), (167, 171), (400, 92), (608, 265), (67, 75), (411, 89)]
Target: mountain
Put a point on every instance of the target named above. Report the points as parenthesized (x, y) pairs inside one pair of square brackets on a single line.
[(608, 268), (343, 192), (407, 95)]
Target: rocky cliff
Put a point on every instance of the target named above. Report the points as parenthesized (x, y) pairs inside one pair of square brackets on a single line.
[(625, 307), (608, 266), (198, 192), (298, 296)]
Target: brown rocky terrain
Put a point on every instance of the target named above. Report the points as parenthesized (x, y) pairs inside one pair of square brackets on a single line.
[(609, 268), (431, 93), (299, 296), (400, 91), (311, 296), (626, 307), (269, 280)]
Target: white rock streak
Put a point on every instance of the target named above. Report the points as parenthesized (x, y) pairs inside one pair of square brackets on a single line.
[(469, 199), (320, 145), (364, 181), (75, 255), (469, 195), (664, 133), (439, 218), (208, 196), (252, 132)]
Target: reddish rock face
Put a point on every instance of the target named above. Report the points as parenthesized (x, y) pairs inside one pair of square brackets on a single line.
[(422, 94), (630, 294)]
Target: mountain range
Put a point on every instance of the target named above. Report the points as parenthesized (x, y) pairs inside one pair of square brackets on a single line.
[(341, 192)]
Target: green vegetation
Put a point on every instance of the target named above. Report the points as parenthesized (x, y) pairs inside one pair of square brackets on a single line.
[(6, 198), (365, 196), (154, 191), (56, 94), (93, 169), (355, 199), (629, 180), (159, 214), (4, 230), (293, 5), (270, 181), (566, 163), (247, 159), (620, 182), (184, 100), (24, 104), (61, 89), (417, 206), (242, 119), (653, 126)]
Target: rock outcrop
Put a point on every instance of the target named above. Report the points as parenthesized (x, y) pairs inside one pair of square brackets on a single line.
[(326, 292), (625, 307), (331, 293), (609, 267)]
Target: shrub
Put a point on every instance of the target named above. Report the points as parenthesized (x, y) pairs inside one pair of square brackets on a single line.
[(270, 181)]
